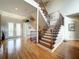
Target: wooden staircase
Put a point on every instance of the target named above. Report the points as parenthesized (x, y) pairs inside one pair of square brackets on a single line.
[(49, 36)]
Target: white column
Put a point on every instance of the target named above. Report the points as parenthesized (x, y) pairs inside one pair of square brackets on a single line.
[(0, 26), (37, 24)]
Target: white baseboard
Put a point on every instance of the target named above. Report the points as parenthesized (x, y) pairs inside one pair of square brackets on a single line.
[(58, 44), (49, 50)]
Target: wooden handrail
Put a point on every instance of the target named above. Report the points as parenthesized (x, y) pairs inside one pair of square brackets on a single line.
[(44, 6)]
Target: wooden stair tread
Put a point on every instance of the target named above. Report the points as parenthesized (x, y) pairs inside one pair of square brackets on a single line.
[(47, 40), (50, 36), (47, 36), (48, 32), (54, 37), (45, 44)]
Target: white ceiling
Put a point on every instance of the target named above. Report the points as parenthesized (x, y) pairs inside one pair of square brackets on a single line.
[(24, 9)]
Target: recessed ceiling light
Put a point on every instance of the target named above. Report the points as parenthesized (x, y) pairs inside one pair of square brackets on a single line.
[(16, 8)]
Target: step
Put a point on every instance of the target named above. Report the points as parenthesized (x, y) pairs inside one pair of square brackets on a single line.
[(48, 31), (46, 40), (55, 32), (50, 34), (54, 35), (45, 44), (47, 36), (55, 39)]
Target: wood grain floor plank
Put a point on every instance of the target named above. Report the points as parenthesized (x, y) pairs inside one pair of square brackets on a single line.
[(25, 49)]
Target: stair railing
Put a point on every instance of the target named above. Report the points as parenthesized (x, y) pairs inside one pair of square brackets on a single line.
[(56, 28)]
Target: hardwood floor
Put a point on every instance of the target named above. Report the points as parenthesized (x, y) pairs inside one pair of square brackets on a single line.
[(22, 49), (25, 49), (68, 50)]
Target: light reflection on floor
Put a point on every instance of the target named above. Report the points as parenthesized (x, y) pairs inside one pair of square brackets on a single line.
[(18, 43), (1, 49), (10, 46)]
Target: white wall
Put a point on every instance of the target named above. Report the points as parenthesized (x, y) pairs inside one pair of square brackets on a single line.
[(54, 5), (54, 18), (77, 29), (42, 22), (71, 35), (4, 23), (68, 35), (70, 7), (76, 32), (34, 23), (66, 7)]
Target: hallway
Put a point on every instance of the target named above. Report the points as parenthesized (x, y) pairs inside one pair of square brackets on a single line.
[(51, 24)]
